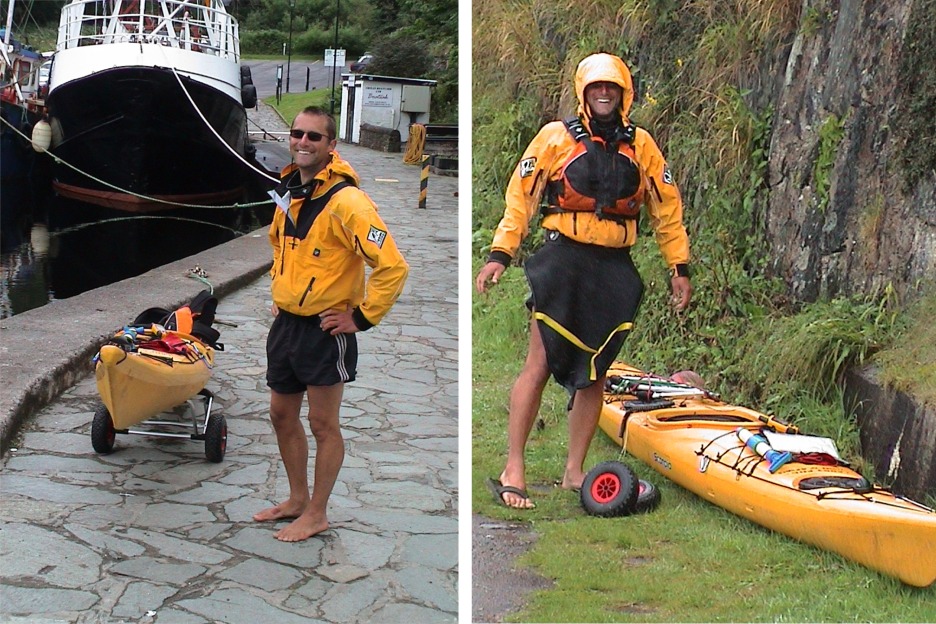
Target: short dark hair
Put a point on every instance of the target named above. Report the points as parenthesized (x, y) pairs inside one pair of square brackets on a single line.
[(318, 111)]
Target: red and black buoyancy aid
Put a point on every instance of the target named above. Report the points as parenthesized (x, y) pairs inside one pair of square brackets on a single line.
[(597, 177)]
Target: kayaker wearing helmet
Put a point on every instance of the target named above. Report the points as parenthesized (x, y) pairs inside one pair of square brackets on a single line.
[(596, 171)]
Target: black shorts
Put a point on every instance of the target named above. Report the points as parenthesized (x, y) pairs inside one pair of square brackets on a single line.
[(300, 354)]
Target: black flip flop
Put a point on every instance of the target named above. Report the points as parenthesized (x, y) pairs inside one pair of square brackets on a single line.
[(498, 490)]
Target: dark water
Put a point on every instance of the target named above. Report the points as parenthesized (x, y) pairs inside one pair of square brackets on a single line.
[(55, 248)]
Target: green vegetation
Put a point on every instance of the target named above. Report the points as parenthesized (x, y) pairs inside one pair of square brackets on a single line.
[(830, 135), (35, 24), (811, 22), (909, 363), (697, 65), (916, 96), (291, 103), (266, 24)]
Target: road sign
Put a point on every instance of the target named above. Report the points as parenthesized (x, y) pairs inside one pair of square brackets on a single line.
[(330, 57)]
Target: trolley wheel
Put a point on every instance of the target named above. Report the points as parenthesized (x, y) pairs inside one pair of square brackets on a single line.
[(648, 497), (609, 489), (103, 432), (215, 438)]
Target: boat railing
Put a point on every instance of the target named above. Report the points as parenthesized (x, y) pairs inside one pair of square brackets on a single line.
[(197, 25)]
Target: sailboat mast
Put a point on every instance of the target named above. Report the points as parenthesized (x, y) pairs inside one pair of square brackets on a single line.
[(9, 24)]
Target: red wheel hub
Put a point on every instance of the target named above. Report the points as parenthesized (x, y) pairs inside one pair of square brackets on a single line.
[(605, 488)]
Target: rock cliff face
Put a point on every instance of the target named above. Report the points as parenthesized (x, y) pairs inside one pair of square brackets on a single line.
[(852, 202)]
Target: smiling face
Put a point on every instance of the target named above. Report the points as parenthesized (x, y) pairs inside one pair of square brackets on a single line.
[(603, 99), (311, 156)]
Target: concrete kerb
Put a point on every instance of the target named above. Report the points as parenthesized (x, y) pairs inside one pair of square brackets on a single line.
[(46, 350)]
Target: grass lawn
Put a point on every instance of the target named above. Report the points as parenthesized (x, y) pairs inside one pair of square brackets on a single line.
[(291, 103), (687, 561)]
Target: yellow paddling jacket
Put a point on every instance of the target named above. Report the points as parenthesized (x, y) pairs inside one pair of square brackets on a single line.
[(543, 164), (320, 247)]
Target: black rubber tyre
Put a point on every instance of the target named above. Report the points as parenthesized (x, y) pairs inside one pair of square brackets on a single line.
[(103, 432), (609, 489), (215, 438), (648, 497)]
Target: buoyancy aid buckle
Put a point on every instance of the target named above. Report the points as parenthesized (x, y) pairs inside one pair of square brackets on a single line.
[(576, 128)]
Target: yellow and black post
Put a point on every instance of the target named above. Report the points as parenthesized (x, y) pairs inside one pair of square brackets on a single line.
[(424, 181)]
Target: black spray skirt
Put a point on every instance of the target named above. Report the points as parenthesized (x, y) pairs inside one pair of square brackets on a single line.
[(584, 298)]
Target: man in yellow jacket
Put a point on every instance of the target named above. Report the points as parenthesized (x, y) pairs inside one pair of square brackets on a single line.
[(593, 173), (324, 230)]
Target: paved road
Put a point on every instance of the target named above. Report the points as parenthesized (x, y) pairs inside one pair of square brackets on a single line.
[(300, 73), (155, 533)]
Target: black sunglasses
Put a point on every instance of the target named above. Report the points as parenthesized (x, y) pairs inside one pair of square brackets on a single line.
[(313, 136)]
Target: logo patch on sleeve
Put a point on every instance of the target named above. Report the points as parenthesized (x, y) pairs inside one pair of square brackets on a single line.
[(376, 236), (527, 166), (667, 174)]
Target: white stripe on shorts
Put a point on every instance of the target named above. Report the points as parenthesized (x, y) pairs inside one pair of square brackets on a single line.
[(342, 350)]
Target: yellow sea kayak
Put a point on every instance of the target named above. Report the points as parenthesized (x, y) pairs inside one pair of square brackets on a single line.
[(139, 384), (723, 453)]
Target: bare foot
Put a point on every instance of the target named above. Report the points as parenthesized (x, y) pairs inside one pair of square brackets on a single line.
[(572, 482), (302, 528), (281, 511)]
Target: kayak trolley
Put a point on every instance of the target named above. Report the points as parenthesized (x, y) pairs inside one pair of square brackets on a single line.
[(202, 425)]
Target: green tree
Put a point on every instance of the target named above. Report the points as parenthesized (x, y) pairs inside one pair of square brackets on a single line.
[(306, 14), (399, 55), (422, 43)]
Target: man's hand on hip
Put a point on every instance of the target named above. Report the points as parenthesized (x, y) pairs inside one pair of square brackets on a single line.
[(336, 322)]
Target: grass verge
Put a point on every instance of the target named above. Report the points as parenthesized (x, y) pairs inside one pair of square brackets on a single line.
[(291, 103)]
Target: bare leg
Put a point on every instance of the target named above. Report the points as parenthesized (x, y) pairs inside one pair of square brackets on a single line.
[(294, 449), (583, 420), (324, 405), (524, 404)]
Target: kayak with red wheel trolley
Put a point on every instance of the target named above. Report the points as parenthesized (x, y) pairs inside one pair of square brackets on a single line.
[(762, 469)]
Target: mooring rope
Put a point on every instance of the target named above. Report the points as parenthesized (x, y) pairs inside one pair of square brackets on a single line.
[(415, 144), (207, 124)]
